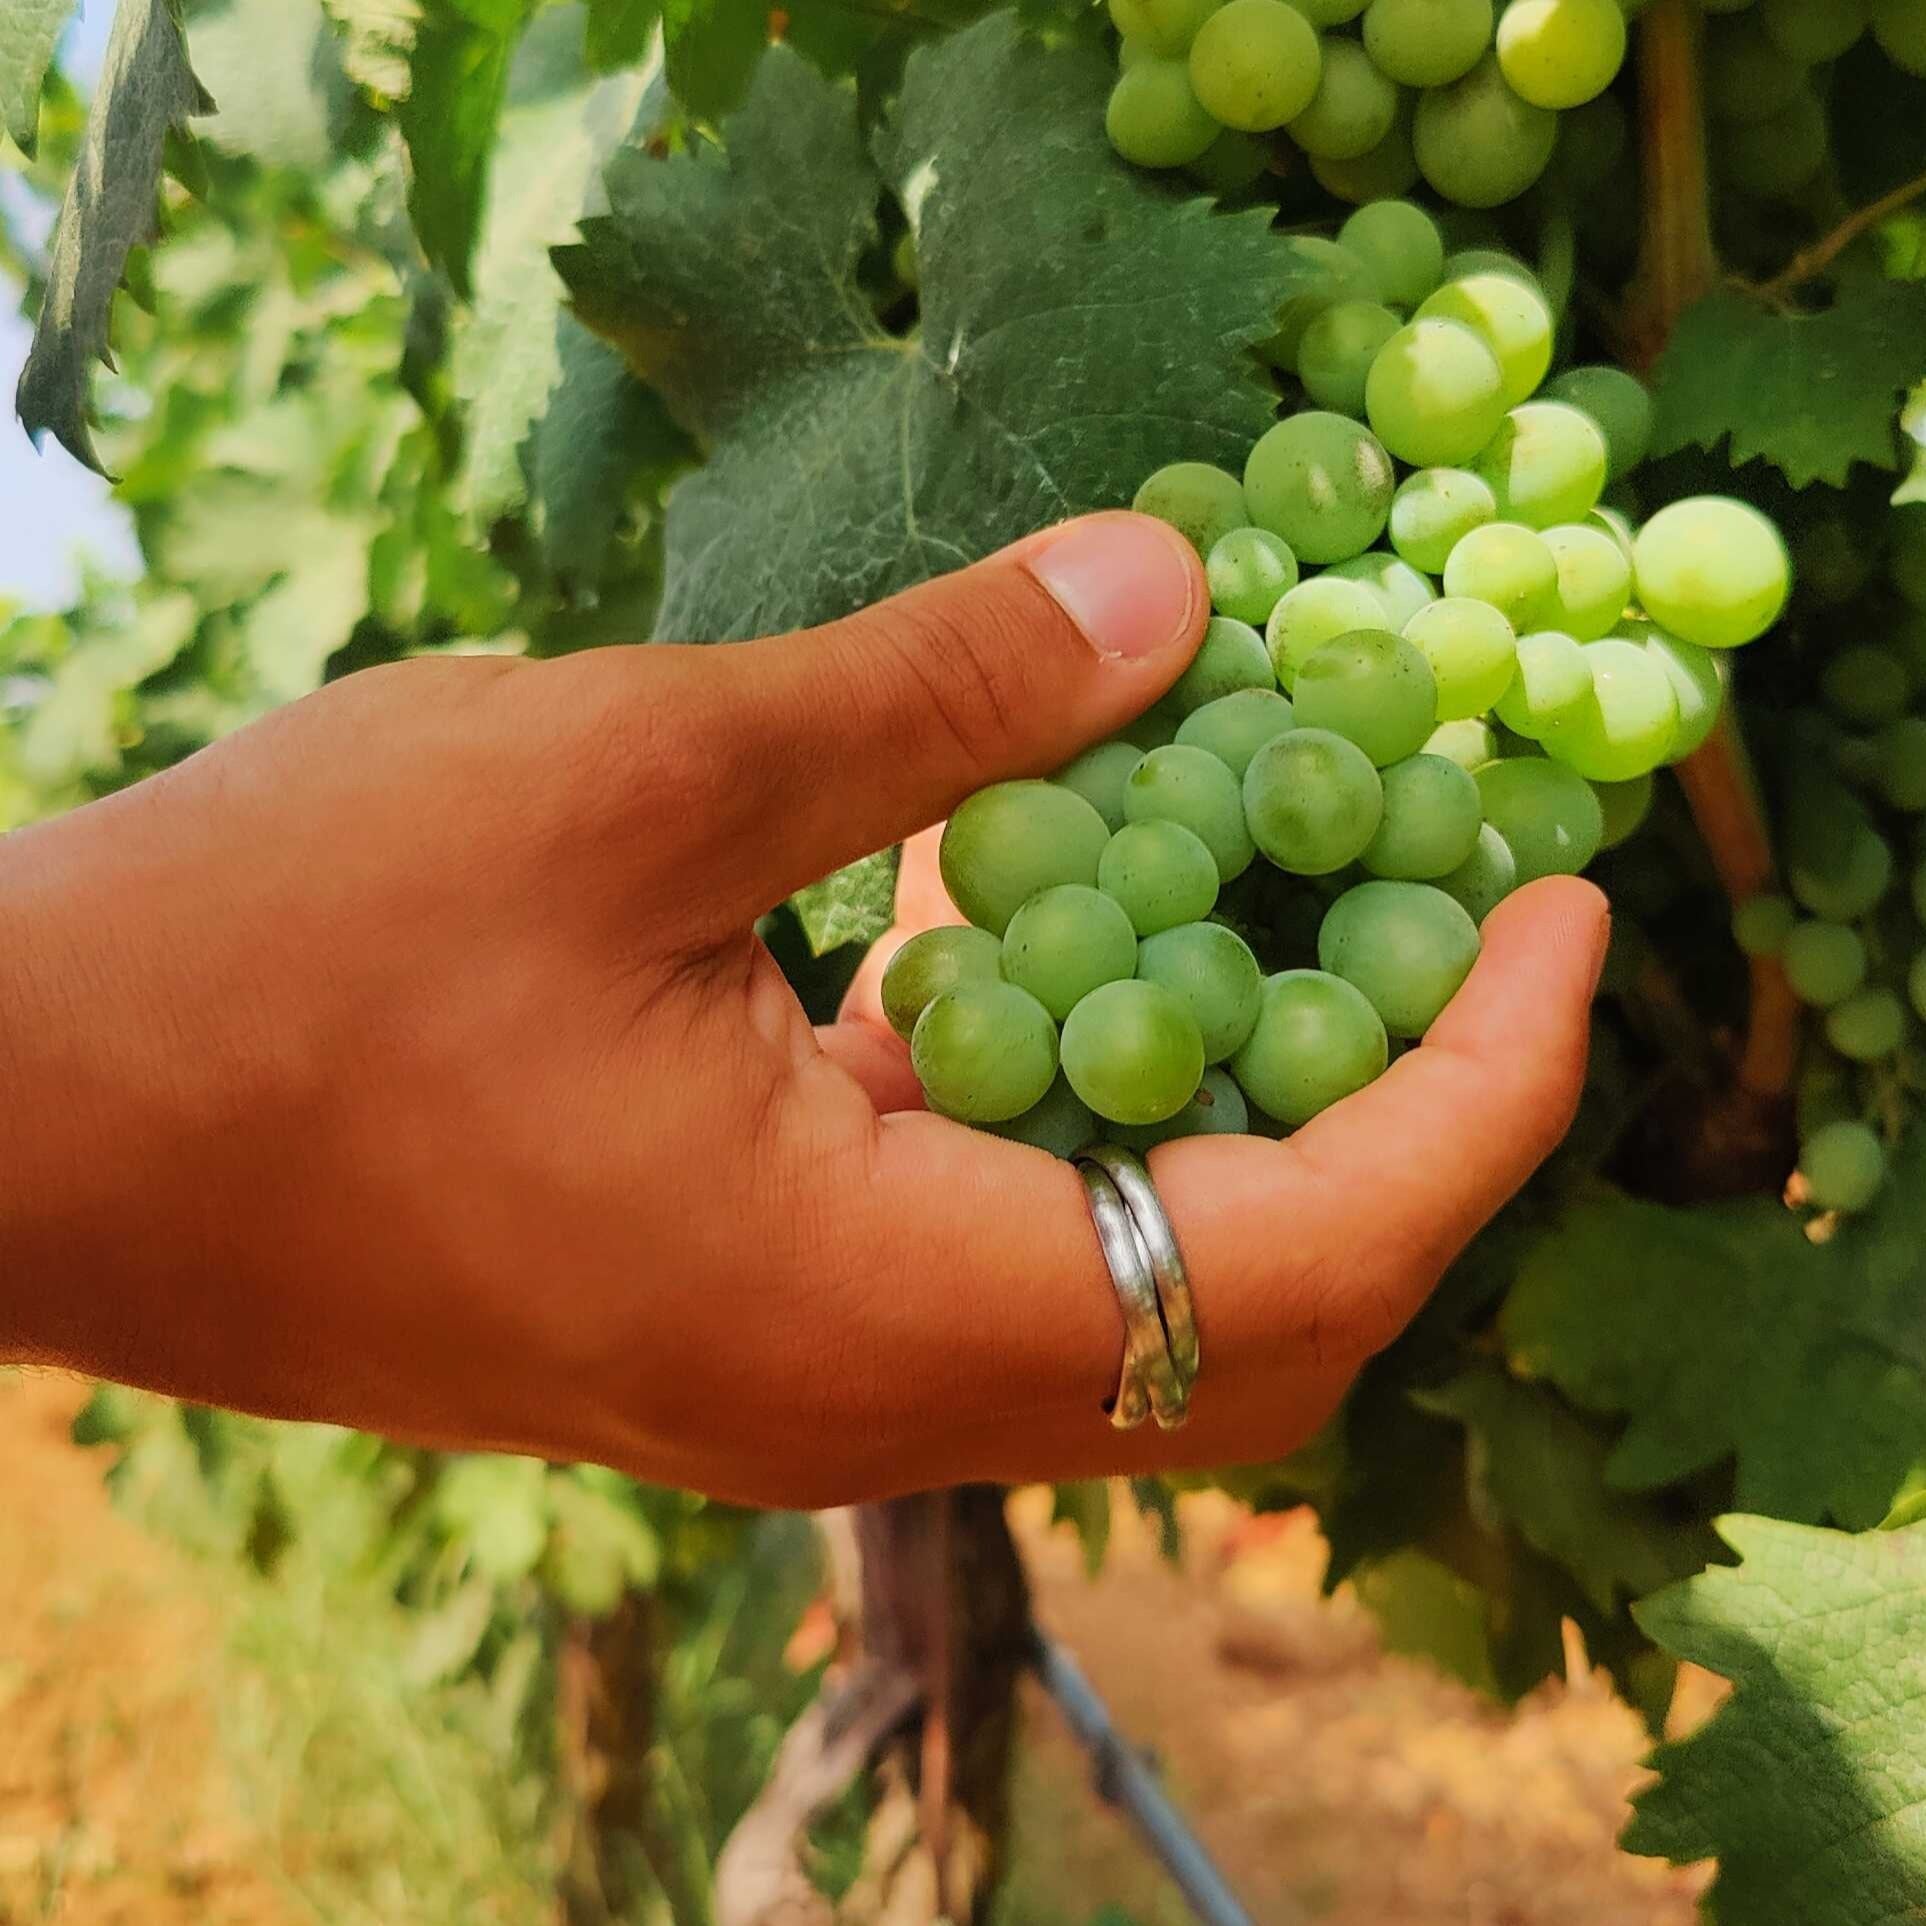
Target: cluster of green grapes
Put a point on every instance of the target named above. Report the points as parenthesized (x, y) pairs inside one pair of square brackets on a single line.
[(1765, 72), (1851, 932), (1399, 758), (1376, 94)]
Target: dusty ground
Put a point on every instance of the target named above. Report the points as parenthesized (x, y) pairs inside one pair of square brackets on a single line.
[(1333, 1783)]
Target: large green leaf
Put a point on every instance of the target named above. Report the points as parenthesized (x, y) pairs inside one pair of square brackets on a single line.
[(29, 32), (274, 68), (146, 89), (1809, 1784), (1074, 335)]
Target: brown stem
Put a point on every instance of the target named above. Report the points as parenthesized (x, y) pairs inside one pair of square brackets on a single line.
[(1810, 262)]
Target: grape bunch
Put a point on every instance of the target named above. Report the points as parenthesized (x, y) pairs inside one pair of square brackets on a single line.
[(1461, 92), (1229, 917)]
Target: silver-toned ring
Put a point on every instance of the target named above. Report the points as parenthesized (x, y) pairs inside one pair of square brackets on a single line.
[(1154, 1230), (1147, 1385)]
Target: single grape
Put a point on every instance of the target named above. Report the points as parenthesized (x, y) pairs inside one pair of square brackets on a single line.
[(1235, 727), (1407, 946), (1480, 144), (1401, 248), (1747, 78), (1099, 775), (1232, 164), (1389, 170), (1509, 566), (1353, 109), (984, 1052), (1548, 815), (1550, 687), (1432, 815), (1335, 356), (1210, 970), (1472, 652), (1485, 878), (1217, 1110), (1696, 682), (1434, 510), (1059, 1122), (1435, 394), (1133, 1053), (1594, 580), (1313, 801), (1611, 522), (1852, 879), (1868, 1027), (1824, 962), (1329, 13), (1776, 159), (1546, 464), (1203, 504), (1561, 53), (1249, 570), (1469, 743), (1899, 764), (1468, 261), (1624, 807), (1627, 725), (1316, 1041), (1866, 684), (1160, 26), (1372, 688), (1064, 942), (1761, 924), (1180, 784), (1812, 31), (1321, 272), (1509, 316), (1425, 43), (1232, 656), (1151, 730), (1008, 841), (1321, 481), (1254, 64), (1401, 589), (1844, 1166), (1620, 405), (1900, 28), (931, 962), (1314, 613), (1162, 873), (1154, 119)]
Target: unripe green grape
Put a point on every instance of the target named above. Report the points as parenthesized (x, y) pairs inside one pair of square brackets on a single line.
[(1467, 261), (1099, 775), (1435, 394), (1401, 248), (1314, 613), (1813, 31), (1624, 807), (1190, 786), (1627, 726), (1321, 481), (1373, 689), (1549, 688), (1779, 158), (1852, 882), (1478, 143), (1329, 13), (1313, 801), (1335, 356), (1747, 78), (1202, 503), (1899, 764), (1824, 963), (1407, 946), (1217, 1110), (1426, 43), (1548, 815), (1469, 743), (1761, 924), (931, 962), (1434, 510), (1844, 1166), (1133, 1053), (1401, 589), (1232, 164), (1317, 1040), (1210, 970), (1546, 464), (1471, 651), (1232, 656), (1485, 878), (1868, 1027), (1509, 566), (1059, 1122), (1900, 28), (1008, 841), (1235, 727), (1696, 682), (1353, 109), (1254, 64), (1594, 580), (1132, 51), (1713, 570), (1249, 570), (1432, 815), (1612, 522), (1161, 873), (1510, 317), (1153, 118), (1066, 941), (1322, 272), (1561, 53), (1619, 403), (1160, 26), (1389, 170), (984, 1052), (1865, 684), (1156, 726)]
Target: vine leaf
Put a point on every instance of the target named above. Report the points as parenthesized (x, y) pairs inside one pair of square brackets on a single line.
[(709, 50), (617, 34), (275, 67), (146, 89), (856, 905), (1912, 425), (1809, 393), (29, 32), (1809, 1784)]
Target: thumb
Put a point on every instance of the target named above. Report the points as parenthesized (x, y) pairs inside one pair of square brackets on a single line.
[(860, 733)]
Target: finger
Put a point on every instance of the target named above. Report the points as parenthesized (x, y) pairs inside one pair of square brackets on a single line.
[(877, 1058)]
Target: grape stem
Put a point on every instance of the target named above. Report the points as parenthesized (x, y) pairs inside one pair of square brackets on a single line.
[(1811, 262)]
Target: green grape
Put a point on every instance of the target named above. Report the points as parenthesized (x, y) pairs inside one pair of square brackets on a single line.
[(1478, 143), (1868, 1027), (1747, 78), (1217, 1110), (1546, 465), (1609, 521), (1232, 164), (1322, 272), (1472, 652), (1844, 1166), (1624, 807), (1189, 786), (1485, 878), (1254, 64), (1373, 689), (1510, 317), (1232, 656), (1434, 510), (1064, 942), (1435, 394), (1401, 248), (1813, 31), (1594, 580), (1153, 119), (1627, 725), (1469, 743), (1353, 109), (1329, 13), (1210, 970), (1761, 924), (1779, 158), (1916, 985), (1389, 170), (1401, 589), (1008, 841), (1313, 801), (1162, 873), (1160, 26), (984, 1052), (1203, 504), (1909, 555), (1468, 261), (1156, 726), (1432, 815), (931, 962), (1132, 50), (1550, 687), (1854, 880), (1407, 946), (1235, 727), (1696, 683), (1099, 775), (1561, 53), (1133, 1053), (1900, 28), (1249, 570), (1509, 566), (1059, 1122), (1336, 353), (1865, 684), (1824, 963), (1317, 1040), (1899, 764), (1321, 481), (1618, 403), (1548, 815), (1425, 43), (1314, 613)]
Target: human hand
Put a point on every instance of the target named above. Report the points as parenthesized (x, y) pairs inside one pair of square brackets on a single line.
[(408, 1061)]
